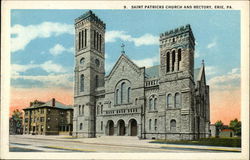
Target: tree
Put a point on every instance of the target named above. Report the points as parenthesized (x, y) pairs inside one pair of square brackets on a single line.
[(17, 121), (235, 125), (218, 125)]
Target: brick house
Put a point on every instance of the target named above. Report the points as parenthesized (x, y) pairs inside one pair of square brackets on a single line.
[(48, 118)]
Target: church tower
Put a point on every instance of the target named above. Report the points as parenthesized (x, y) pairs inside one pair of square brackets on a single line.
[(89, 71), (177, 83), (177, 50)]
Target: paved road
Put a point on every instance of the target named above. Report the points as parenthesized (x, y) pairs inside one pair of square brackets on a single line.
[(29, 143)]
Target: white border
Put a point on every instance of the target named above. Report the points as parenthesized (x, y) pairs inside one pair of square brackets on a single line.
[(5, 79)]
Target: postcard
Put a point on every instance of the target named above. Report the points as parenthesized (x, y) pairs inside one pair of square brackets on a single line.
[(125, 80)]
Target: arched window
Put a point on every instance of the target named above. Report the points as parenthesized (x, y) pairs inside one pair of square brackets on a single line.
[(100, 42), (82, 39), (168, 62), (98, 110), (101, 109), (82, 109), (173, 60), (177, 100), (101, 125), (79, 41), (79, 110), (172, 125), (82, 83), (85, 37), (80, 126), (169, 100), (122, 91), (82, 61), (117, 96), (155, 124), (179, 58), (155, 103), (94, 39), (150, 121), (136, 101), (97, 40), (97, 62), (128, 96), (151, 104), (96, 81)]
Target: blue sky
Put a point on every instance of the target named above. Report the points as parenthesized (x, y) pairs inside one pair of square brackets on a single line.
[(42, 43)]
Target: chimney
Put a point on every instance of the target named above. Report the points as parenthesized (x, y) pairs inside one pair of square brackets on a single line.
[(53, 102)]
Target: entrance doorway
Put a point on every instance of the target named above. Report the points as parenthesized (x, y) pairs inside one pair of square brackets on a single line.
[(121, 127), (110, 128), (133, 127)]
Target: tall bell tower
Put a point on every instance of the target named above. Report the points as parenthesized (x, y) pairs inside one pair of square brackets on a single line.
[(89, 71)]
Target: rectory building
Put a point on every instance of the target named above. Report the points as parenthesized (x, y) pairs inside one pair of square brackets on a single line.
[(48, 118)]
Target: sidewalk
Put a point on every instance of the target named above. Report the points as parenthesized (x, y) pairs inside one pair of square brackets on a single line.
[(132, 141)]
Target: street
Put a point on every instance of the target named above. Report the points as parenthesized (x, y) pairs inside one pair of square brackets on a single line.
[(114, 144)]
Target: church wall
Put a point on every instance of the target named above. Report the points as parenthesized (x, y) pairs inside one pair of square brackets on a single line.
[(134, 77)]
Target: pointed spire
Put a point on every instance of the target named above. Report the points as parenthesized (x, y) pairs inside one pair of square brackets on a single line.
[(202, 62)]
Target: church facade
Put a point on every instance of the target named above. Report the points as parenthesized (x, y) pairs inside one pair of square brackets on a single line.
[(166, 101)]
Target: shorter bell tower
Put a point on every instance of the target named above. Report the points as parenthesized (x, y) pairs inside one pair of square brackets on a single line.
[(177, 50)]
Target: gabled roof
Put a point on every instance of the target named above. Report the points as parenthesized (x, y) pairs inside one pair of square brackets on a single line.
[(152, 72), (123, 56), (199, 73)]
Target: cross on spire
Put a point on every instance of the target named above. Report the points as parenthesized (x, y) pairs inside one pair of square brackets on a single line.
[(123, 51)]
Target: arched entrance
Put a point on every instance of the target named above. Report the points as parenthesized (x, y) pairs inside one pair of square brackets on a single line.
[(121, 127), (110, 125), (133, 127)]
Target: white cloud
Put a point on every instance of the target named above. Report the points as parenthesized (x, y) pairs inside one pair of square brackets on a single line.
[(17, 68), (58, 49), (51, 80), (212, 44), (210, 70), (23, 35), (48, 66), (234, 70), (112, 36), (146, 39), (231, 80), (147, 62)]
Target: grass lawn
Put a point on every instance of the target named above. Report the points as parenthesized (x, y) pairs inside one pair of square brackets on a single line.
[(224, 142)]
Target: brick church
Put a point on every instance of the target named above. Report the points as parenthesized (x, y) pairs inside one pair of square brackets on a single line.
[(166, 101)]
